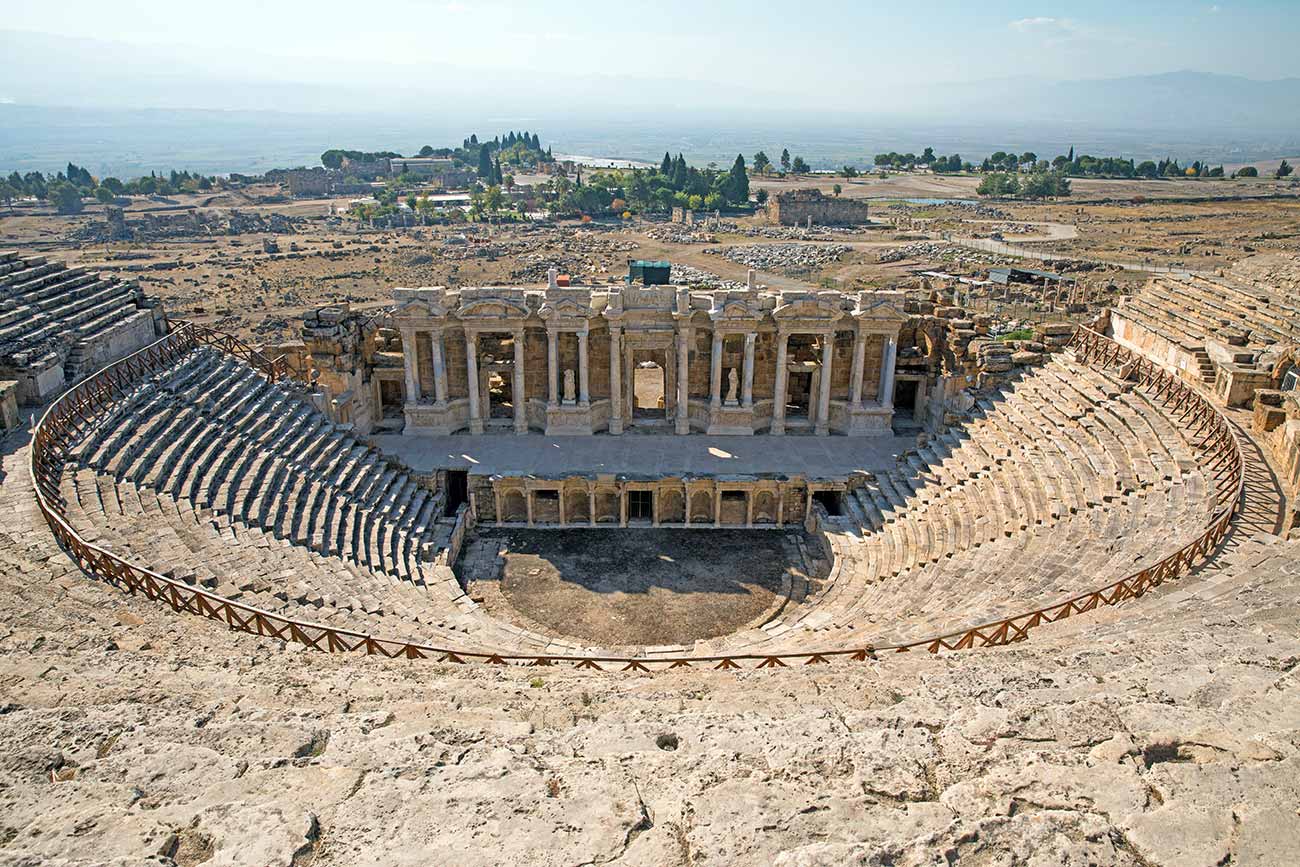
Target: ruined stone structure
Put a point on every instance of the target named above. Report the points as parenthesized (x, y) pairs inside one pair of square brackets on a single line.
[(58, 324), (567, 360), (798, 207), (1226, 332)]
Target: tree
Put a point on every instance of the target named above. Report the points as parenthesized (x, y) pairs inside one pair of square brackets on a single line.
[(65, 197), (485, 165), (799, 167), (1147, 169), (998, 184), (761, 197), (837, 189), (736, 189), (666, 167), (849, 172), (1283, 170), (785, 160), (114, 186), (1028, 158), (8, 192), (104, 195), (425, 151), (761, 163), (1246, 172)]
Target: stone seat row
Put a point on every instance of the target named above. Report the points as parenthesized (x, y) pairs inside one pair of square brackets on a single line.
[(1065, 481), (216, 433), (1200, 307), (253, 567)]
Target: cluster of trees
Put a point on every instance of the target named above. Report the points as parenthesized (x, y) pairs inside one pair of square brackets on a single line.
[(518, 149), (672, 184), (334, 157), (1035, 185), (789, 166), (67, 189)]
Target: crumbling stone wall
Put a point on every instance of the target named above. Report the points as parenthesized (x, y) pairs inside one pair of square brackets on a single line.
[(795, 207)]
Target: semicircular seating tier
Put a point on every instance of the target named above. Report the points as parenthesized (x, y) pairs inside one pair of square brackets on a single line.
[(212, 475), (1062, 481)]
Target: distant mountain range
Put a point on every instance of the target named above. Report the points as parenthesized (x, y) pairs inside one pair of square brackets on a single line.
[(109, 74), (121, 108)]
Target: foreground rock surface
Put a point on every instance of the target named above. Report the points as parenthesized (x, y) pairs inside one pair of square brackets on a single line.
[(1164, 733)]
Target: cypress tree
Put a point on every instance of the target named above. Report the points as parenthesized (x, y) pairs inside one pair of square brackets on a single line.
[(666, 167)]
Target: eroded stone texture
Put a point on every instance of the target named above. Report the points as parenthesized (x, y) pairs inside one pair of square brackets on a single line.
[(1162, 733)]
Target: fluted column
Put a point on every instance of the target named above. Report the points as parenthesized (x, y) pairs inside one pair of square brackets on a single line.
[(411, 362), (615, 381), (887, 371), (584, 375), (778, 392), (715, 372), (439, 367), (553, 367), (683, 380), (748, 398), (518, 391), (471, 369), (822, 427), (859, 361)]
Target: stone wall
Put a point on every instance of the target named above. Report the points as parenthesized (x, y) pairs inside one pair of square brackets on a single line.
[(795, 207)]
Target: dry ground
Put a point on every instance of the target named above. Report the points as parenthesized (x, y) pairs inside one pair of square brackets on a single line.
[(229, 281), (635, 586)]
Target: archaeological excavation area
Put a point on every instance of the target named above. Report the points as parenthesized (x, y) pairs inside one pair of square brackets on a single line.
[(471, 476), (633, 571)]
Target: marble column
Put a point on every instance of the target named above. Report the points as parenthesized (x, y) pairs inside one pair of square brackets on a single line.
[(439, 367), (518, 392), (471, 365), (715, 372), (615, 385), (683, 381), (887, 371), (410, 360), (824, 398), (748, 398), (778, 395), (584, 373), (859, 361), (553, 367)]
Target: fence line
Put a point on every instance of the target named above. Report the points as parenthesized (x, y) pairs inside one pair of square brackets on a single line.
[(79, 406), (1002, 248)]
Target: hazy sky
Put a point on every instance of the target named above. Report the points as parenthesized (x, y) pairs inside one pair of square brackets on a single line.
[(820, 44)]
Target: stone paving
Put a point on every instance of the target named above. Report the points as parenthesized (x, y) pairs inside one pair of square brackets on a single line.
[(649, 455)]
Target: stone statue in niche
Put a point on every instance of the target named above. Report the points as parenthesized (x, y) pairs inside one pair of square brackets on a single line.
[(731, 385), (569, 393)]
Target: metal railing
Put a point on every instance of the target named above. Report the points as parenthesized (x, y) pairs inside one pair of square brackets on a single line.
[(63, 420)]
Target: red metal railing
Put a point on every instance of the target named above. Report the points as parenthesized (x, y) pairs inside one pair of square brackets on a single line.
[(1209, 431)]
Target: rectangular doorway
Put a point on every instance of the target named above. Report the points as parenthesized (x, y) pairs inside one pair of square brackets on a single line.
[(649, 387), (640, 506)]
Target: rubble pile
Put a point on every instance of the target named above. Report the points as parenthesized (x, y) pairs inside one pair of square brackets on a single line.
[(187, 223), (685, 275), (787, 258), (677, 234)]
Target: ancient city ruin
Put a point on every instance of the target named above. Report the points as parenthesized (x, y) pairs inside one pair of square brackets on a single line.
[(963, 533)]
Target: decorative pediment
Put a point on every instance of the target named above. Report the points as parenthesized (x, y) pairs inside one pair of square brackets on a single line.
[(883, 309), (564, 308), (418, 307), (808, 309), (491, 308), (733, 309)]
